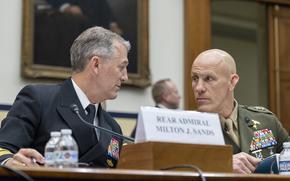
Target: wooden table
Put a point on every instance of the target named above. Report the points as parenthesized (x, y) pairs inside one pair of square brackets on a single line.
[(122, 174)]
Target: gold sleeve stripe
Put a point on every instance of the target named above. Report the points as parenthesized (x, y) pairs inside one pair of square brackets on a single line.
[(4, 152)]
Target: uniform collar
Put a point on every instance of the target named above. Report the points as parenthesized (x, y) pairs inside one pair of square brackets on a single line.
[(233, 116), (82, 96)]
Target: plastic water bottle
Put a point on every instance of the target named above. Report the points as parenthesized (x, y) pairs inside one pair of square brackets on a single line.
[(50, 148), (67, 150), (284, 159)]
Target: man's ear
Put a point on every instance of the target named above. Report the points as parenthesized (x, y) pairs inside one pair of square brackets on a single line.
[(234, 81), (165, 96), (94, 63)]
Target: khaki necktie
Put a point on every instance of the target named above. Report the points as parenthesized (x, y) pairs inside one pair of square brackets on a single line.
[(230, 130)]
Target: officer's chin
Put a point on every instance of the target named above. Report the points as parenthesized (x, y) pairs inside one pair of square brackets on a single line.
[(204, 108), (113, 95)]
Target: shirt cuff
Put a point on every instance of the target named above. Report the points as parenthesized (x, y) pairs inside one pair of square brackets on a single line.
[(5, 155), (4, 161)]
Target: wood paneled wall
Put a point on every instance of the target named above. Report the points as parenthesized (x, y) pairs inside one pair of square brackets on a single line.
[(197, 38)]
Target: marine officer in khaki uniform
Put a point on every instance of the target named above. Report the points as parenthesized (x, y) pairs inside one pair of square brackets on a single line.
[(252, 131)]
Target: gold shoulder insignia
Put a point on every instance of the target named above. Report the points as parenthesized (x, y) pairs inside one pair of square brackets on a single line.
[(259, 109)]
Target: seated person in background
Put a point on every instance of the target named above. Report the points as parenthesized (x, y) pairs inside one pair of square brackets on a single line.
[(214, 78), (99, 67), (165, 94)]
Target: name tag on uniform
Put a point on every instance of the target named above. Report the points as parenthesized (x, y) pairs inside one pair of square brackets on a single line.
[(166, 125)]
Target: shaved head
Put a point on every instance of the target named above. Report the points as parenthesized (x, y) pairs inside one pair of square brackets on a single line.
[(214, 78), (217, 57)]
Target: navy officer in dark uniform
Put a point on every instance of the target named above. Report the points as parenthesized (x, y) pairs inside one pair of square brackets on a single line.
[(99, 67)]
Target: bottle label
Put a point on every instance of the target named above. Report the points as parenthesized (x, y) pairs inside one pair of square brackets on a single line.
[(49, 157), (69, 156), (284, 167)]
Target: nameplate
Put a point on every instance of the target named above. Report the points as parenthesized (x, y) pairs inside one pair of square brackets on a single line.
[(166, 125)]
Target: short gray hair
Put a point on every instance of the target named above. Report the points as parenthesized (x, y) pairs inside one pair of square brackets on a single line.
[(94, 41), (158, 90)]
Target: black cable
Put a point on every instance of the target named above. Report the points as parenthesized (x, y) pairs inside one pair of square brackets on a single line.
[(195, 168), (272, 166), (75, 109), (18, 173)]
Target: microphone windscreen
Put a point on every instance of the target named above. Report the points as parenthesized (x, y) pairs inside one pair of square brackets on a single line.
[(247, 120), (74, 107)]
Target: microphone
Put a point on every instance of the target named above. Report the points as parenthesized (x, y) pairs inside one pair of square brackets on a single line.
[(249, 122), (75, 109)]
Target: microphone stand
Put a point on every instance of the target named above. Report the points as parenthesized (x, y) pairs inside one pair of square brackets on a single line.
[(75, 109)]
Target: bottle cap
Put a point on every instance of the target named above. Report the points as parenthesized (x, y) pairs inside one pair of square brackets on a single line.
[(286, 145), (65, 131), (54, 133)]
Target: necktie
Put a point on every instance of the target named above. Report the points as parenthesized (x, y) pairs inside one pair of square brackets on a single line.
[(91, 109), (228, 126)]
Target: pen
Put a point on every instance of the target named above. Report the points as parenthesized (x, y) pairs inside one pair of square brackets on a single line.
[(33, 161)]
